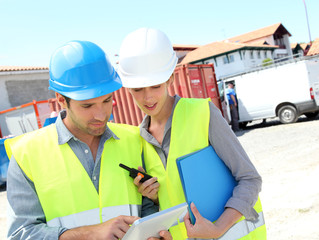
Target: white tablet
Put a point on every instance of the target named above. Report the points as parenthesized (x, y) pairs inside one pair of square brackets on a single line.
[(150, 226)]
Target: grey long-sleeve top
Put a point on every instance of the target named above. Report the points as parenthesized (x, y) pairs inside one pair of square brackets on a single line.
[(228, 148), (26, 219)]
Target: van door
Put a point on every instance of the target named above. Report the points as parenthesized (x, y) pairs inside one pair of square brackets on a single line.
[(224, 101), (313, 71), (316, 92)]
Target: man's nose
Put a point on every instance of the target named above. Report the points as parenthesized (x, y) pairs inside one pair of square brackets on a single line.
[(100, 114)]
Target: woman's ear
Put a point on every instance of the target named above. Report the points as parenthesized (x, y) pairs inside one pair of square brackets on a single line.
[(170, 80), (130, 91)]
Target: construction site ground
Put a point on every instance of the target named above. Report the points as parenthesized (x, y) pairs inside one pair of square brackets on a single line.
[(287, 157)]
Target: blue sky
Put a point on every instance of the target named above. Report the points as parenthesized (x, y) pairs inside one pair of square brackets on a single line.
[(32, 30)]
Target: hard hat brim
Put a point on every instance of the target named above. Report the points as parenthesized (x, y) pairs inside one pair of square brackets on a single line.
[(94, 91), (144, 81), (147, 80)]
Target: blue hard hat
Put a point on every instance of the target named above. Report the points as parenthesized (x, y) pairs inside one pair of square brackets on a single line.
[(81, 70)]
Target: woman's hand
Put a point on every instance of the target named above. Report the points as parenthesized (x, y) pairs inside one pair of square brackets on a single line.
[(203, 228), (148, 188)]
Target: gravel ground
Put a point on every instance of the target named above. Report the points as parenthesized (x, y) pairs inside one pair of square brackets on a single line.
[(287, 157)]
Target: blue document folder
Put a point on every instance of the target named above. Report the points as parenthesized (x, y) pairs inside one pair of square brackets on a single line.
[(206, 181)]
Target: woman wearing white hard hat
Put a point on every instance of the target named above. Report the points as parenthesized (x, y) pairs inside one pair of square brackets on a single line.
[(174, 127)]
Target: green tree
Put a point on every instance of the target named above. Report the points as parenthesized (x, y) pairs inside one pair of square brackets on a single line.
[(267, 62)]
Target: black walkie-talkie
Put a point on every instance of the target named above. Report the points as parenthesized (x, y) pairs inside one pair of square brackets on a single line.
[(134, 173)]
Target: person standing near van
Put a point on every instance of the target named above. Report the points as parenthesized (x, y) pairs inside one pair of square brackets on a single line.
[(175, 126), (233, 106), (64, 180)]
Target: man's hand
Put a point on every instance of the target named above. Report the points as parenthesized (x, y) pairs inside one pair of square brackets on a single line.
[(234, 100), (112, 229), (165, 235), (149, 188)]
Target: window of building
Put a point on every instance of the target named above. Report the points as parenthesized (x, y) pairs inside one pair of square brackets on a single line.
[(231, 58), (228, 59), (251, 54), (280, 42), (265, 54), (258, 55), (225, 60)]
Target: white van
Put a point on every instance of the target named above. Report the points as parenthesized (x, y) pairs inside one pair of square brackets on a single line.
[(286, 90)]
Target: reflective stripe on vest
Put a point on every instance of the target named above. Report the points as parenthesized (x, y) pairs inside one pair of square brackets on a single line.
[(64, 188), (93, 216), (243, 228), (189, 133)]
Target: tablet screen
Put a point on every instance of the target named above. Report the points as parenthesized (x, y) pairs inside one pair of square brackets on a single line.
[(151, 225)]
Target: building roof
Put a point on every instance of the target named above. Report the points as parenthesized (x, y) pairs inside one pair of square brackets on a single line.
[(181, 47), (304, 45), (20, 68), (219, 48), (294, 45), (260, 43), (314, 49), (277, 28)]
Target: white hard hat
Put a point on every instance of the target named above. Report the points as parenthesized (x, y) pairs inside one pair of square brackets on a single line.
[(146, 58)]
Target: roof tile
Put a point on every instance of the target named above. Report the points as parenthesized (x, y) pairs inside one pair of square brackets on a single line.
[(314, 49), (177, 47), (217, 48), (257, 34), (20, 68)]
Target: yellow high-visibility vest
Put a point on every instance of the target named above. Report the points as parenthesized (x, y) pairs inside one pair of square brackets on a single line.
[(189, 133), (65, 190)]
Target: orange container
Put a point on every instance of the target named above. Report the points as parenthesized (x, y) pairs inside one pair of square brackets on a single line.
[(24, 118), (190, 81)]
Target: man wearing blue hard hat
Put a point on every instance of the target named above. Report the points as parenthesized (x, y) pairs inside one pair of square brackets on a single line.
[(64, 180)]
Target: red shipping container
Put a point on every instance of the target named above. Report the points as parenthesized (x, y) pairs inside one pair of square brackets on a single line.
[(190, 81)]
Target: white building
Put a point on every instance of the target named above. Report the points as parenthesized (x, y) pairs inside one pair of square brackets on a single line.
[(241, 53), (229, 58), (276, 35)]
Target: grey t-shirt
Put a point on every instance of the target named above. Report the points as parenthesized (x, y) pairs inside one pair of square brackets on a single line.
[(228, 148)]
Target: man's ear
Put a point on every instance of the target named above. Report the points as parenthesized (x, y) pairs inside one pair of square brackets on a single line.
[(61, 100)]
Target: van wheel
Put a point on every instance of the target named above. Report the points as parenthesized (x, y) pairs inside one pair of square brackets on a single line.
[(311, 114), (287, 114)]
